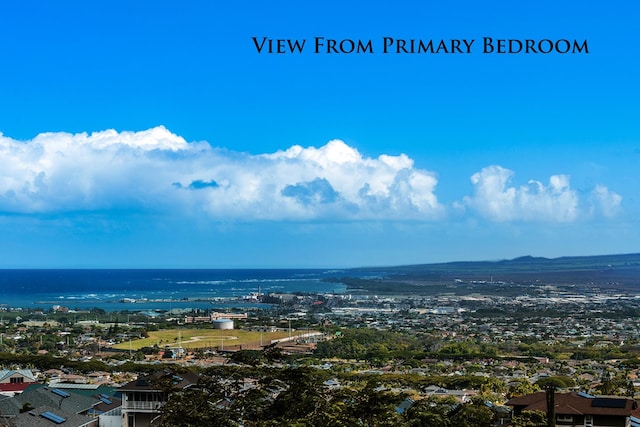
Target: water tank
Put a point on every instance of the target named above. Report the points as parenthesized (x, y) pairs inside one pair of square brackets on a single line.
[(223, 324)]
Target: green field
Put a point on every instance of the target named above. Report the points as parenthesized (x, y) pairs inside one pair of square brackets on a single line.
[(202, 338)]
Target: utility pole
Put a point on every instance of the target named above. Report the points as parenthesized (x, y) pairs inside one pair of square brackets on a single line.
[(550, 390)]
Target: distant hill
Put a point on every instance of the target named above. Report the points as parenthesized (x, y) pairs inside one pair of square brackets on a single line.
[(601, 269)]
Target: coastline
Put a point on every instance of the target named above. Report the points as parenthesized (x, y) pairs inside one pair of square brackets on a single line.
[(149, 290)]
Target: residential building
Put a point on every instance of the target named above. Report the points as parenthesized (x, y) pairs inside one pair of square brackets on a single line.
[(15, 380), (41, 399), (581, 409), (143, 398), (51, 417)]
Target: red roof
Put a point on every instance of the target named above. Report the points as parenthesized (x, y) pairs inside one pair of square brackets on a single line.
[(14, 387), (576, 404)]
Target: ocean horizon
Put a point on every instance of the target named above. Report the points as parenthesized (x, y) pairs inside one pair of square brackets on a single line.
[(156, 289)]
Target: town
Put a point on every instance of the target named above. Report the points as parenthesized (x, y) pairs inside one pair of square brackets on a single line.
[(484, 354)]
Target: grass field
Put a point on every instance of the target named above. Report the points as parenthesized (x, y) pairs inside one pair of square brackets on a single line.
[(203, 338)]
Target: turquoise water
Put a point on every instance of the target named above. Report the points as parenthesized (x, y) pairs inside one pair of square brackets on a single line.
[(134, 290)]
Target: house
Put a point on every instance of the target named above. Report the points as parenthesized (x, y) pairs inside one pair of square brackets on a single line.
[(53, 373), (99, 377), (405, 405), (143, 398), (51, 417), (108, 410), (463, 396), (15, 380), (581, 409), (37, 398)]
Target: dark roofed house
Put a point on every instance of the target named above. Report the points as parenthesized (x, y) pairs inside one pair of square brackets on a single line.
[(38, 397), (105, 404), (108, 409), (47, 416), (580, 409), (142, 398)]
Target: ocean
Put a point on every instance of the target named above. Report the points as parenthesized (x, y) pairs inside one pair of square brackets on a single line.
[(142, 290)]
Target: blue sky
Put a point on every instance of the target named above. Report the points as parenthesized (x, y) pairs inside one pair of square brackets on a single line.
[(153, 134)]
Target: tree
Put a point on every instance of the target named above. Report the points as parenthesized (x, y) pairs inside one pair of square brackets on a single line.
[(493, 386), (617, 385), (474, 414), (369, 405), (522, 387), (205, 404), (431, 412), (558, 381), (247, 357), (530, 419), (194, 408), (305, 398), (371, 345), (97, 311)]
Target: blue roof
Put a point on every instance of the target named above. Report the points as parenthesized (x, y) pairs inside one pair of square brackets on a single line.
[(60, 392), (404, 406), (53, 417)]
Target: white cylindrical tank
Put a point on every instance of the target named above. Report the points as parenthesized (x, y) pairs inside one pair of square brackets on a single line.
[(223, 324)]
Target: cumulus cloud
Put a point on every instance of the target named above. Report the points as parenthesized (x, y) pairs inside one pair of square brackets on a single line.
[(604, 201), (158, 170), (61, 171), (494, 198)]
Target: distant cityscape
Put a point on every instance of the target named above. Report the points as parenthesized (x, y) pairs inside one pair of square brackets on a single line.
[(429, 345)]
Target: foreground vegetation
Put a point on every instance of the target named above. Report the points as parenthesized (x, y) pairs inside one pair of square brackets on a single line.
[(300, 397)]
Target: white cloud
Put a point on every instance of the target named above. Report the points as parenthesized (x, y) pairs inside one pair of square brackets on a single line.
[(605, 202), (494, 199), (104, 170), (157, 170)]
